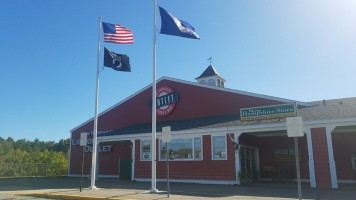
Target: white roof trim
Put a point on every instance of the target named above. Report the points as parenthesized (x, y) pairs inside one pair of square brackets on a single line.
[(199, 85), (238, 92)]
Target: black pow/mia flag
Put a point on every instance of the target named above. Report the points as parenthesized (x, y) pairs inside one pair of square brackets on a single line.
[(119, 62)]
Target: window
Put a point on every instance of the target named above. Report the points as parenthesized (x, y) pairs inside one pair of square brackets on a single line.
[(145, 150), (182, 149), (211, 82), (219, 148), (202, 82)]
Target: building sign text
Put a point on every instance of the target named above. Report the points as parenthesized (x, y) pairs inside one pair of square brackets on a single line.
[(268, 112)]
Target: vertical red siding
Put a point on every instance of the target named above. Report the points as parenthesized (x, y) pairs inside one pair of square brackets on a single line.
[(194, 102), (206, 169), (190, 105), (344, 144), (76, 161), (321, 158), (109, 162)]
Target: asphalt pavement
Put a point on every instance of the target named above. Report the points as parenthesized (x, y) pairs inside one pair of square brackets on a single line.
[(68, 188)]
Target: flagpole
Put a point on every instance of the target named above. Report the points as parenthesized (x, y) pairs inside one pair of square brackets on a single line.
[(153, 142), (95, 131)]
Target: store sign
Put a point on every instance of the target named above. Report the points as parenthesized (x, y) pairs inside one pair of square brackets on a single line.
[(166, 100), (106, 148), (268, 112), (101, 148), (100, 132), (286, 155)]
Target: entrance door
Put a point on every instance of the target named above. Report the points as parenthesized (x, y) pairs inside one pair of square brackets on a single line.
[(125, 169), (248, 160)]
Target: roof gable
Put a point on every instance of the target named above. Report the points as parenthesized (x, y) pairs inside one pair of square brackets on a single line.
[(195, 101)]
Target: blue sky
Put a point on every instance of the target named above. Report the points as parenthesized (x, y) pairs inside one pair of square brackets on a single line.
[(301, 50)]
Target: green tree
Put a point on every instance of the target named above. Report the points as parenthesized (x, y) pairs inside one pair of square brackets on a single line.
[(32, 158)]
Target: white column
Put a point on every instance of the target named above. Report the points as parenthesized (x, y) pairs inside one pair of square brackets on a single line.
[(311, 158), (329, 129), (133, 161), (237, 158)]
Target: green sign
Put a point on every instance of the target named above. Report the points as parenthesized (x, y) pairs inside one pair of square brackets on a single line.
[(268, 112)]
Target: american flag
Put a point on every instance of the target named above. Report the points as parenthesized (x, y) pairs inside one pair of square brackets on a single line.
[(115, 33)]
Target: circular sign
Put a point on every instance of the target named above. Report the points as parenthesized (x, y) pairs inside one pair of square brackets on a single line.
[(165, 100), (146, 156)]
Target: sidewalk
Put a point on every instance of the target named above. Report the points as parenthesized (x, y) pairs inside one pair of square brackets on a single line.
[(68, 188)]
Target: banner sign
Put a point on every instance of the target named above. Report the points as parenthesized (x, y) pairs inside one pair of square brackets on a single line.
[(268, 112)]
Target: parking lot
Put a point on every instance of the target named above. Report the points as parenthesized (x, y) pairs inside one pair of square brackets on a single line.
[(68, 188)]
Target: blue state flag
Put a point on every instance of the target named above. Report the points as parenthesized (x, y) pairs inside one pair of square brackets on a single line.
[(173, 26)]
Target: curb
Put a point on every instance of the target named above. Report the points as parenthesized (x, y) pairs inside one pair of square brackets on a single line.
[(74, 197)]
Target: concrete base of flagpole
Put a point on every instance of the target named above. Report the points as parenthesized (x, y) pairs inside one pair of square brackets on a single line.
[(154, 191), (93, 187)]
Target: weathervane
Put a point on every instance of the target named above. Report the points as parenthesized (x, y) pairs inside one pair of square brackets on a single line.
[(210, 60)]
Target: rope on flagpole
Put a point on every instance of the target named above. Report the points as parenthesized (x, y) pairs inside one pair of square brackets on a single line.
[(101, 68)]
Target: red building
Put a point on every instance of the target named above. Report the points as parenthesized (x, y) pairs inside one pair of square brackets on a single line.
[(205, 120)]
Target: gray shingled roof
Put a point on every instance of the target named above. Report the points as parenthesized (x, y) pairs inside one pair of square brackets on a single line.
[(332, 110), (329, 111), (351, 100), (210, 71)]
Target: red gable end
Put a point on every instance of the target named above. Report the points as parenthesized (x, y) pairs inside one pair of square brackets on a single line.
[(195, 101)]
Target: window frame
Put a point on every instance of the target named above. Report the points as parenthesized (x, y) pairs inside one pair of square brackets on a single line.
[(353, 162), (193, 149), (141, 151), (201, 148), (212, 147)]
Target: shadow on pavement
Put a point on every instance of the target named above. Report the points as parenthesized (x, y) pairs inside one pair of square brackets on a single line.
[(271, 190)]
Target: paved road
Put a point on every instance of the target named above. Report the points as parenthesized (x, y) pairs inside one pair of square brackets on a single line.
[(112, 188)]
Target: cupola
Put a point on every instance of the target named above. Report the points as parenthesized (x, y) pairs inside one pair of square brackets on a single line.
[(211, 77)]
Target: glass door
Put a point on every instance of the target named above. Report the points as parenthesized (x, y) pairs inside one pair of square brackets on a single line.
[(248, 159)]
